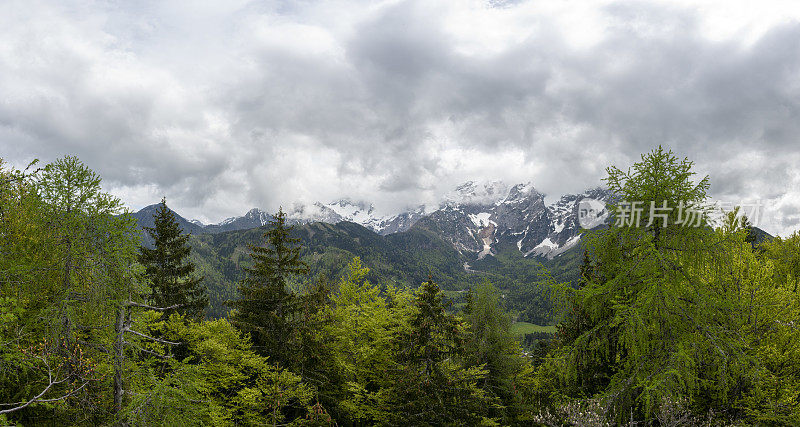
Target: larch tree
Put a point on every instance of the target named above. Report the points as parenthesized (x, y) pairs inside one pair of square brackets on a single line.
[(79, 248), (670, 303)]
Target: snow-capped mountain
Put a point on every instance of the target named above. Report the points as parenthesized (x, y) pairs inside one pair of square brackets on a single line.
[(481, 217), (564, 222), (476, 218), (476, 194), (254, 218), (358, 212)]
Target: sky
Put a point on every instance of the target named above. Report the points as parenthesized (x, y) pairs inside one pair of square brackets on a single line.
[(222, 106)]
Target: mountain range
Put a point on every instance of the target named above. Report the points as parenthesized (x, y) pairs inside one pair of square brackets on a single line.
[(479, 231), (508, 235), (474, 218)]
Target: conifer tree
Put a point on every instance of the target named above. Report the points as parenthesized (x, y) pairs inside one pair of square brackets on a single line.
[(659, 319), (310, 355), (585, 269), (170, 273), (491, 344), (431, 384), (265, 308), (751, 237)]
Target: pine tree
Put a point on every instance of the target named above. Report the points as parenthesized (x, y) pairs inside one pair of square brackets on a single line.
[(170, 273), (266, 308)]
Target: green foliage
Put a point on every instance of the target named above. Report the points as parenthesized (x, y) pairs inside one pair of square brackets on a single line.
[(431, 380), (266, 306), (402, 359), (658, 322), (364, 321), (784, 253), (169, 273), (401, 259), (672, 314), (221, 382), (491, 344), (68, 259)]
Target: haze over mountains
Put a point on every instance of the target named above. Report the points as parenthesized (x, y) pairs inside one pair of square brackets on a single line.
[(474, 218)]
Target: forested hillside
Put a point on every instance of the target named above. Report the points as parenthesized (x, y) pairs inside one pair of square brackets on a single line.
[(404, 259), (669, 320)]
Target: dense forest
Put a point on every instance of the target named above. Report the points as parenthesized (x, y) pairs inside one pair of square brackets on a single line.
[(673, 321)]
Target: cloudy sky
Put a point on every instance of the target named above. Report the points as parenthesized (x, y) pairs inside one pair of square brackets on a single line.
[(225, 105)]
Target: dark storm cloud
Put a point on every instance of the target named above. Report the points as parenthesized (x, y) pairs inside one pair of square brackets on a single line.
[(227, 106)]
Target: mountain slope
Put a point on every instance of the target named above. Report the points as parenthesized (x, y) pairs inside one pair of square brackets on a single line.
[(479, 226), (474, 218), (144, 218), (254, 218), (400, 259)]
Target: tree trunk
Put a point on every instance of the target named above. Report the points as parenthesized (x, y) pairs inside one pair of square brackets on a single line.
[(119, 329), (66, 324)]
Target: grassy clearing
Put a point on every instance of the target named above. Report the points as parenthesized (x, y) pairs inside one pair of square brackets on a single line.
[(522, 328)]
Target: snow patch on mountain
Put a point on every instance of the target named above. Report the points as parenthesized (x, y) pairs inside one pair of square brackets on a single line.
[(358, 212), (564, 222), (258, 216), (547, 244), (481, 219), (475, 217), (551, 249), (354, 211), (227, 221)]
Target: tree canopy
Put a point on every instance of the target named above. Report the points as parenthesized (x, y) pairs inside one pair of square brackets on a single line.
[(675, 319)]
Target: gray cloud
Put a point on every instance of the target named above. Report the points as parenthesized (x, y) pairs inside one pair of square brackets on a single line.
[(225, 106)]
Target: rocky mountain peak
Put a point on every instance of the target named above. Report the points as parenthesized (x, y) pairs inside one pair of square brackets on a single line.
[(473, 193), (521, 192), (475, 217)]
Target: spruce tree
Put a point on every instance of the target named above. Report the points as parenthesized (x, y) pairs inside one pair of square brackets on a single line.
[(168, 270), (431, 382), (266, 308), (489, 343)]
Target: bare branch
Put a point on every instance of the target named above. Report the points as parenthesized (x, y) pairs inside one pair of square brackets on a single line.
[(150, 307), (26, 404), (150, 338), (38, 397)]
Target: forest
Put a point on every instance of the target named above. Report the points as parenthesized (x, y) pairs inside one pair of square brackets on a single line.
[(670, 322), (398, 259)]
